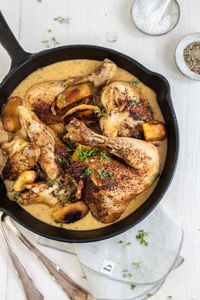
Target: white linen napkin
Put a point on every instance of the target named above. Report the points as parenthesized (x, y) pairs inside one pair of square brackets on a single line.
[(124, 268)]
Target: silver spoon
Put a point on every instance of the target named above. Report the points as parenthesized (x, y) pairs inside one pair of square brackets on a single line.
[(31, 291), (71, 289)]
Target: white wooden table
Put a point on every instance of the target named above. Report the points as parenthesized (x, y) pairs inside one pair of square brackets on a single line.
[(90, 20)]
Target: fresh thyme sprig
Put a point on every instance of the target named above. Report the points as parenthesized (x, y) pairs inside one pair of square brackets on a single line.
[(140, 237)]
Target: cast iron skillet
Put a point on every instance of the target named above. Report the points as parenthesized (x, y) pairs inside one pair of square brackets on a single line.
[(22, 65)]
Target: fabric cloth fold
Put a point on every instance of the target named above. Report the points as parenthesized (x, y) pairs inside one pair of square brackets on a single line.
[(126, 266)]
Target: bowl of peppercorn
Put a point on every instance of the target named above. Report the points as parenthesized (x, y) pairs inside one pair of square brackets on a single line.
[(187, 56)]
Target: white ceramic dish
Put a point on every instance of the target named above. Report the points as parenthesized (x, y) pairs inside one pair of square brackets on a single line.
[(179, 58)]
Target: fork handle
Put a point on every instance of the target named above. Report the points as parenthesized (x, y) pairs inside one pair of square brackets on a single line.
[(71, 289), (31, 291)]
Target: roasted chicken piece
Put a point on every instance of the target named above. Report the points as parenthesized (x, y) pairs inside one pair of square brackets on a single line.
[(126, 110), (22, 156), (53, 155), (110, 185), (41, 97)]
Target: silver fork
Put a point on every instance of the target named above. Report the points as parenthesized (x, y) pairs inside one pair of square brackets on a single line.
[(71, 289), (31, 291)]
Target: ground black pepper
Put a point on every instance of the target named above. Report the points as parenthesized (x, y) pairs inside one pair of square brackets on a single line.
[(192, 57)]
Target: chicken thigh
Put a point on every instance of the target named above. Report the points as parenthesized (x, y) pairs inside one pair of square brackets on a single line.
[(112, 185)]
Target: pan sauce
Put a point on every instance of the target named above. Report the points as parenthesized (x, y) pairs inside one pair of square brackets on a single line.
[(63, 70)]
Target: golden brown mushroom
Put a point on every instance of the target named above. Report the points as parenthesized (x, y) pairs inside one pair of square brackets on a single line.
[(88, 114), (10, 117), (70, 213)]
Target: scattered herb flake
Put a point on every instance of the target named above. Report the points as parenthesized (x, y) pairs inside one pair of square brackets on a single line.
[(49, 30), (143, 118), (133, 286), (140, 237), (84, 153), (112, 179), (66, 85), (149, 295), (103, 113), (39, 1), (118, 128), (136, 100), (169, 297), (135, 81), (15, 196), (61, 225), (137, 264), (63, 160), (124, 244), (52, 181), (104, 156), (62, 20), (87, 172), (120, 242)]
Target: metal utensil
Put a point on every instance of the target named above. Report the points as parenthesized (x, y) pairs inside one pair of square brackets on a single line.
[(31, 291), (71, 289)]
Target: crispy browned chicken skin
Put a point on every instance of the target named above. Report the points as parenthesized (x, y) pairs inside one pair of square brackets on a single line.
[(126, 110), (107, 198)]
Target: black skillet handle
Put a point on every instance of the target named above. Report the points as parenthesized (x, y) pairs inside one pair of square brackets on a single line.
[(11, 45)]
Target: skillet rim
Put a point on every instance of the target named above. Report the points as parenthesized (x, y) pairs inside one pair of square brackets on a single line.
[(79, 236)]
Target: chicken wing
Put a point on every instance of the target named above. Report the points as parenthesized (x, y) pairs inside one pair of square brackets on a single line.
[(126, 110), (22, 156), (111, 185), (53, 154)]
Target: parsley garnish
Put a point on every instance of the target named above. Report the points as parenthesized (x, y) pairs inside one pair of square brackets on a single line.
[(62, 20), (15, 196), (137, 264), (49, 30), (63, 160), (63, 197), (52, 42), (102, 173), (52, 181), (143, 118), (112, 179), (61, 225), (84, 153), (103, 113), (133, 286), (66, 85), (39, 0), (124, 244), (141, 236), (103, 155), (169, 297), (136, 100), (118, 128), (87, 172), (135, 81), (149, 295)]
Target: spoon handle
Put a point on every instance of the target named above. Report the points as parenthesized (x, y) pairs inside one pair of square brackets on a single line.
[(71, 289), (31, 291)]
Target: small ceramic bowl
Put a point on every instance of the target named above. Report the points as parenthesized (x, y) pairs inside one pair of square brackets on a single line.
[(179, 58), (173, 6)]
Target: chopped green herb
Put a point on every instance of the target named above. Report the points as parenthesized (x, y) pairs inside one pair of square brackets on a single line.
[(137, 264), (63, 160), (143, 118), (141, 236), (103, 155), (133, 286), (112, 179), (103, 113), (110, 173), (130, 275), (149, 295), (169, 297), (39, 0), (29, 147), (87, 172), (56, 221), (124, 271), (49, 30), (15, 196), (84, 153), (52, 42), (61, 225), (66, 85), (118, 128), (52, 181), (62, 20), (63, 197), (136, 100), (135, 81), (69, 147), (124, 244)]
